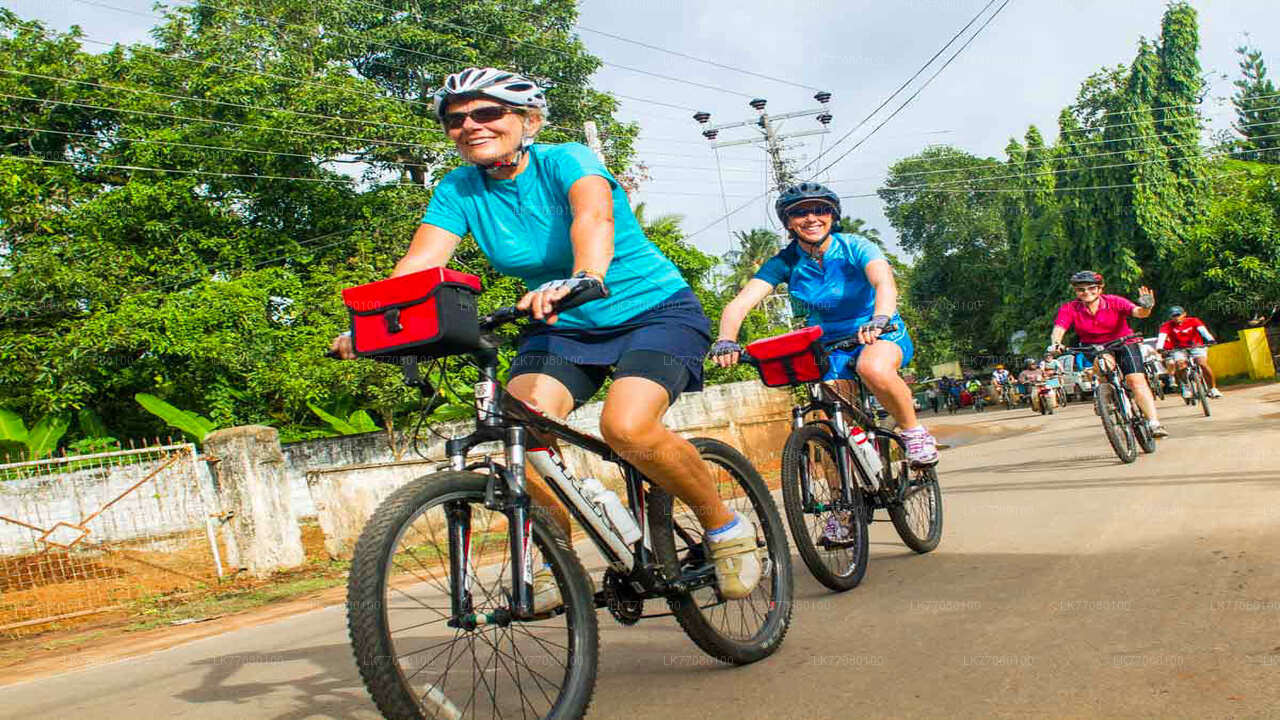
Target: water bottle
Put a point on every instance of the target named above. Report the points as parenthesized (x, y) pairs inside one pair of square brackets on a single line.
[(614, 511), (867, 451)]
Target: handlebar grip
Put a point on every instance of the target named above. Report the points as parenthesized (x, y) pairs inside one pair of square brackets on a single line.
[(581, 296)]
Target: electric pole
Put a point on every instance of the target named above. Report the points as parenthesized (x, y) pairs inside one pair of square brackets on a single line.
[(768, 126)]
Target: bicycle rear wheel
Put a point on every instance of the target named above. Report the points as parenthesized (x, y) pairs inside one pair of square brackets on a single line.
[(1114, 423), (733, 631), (918, 515), (1142, 433), (415, 660), (809, 461)]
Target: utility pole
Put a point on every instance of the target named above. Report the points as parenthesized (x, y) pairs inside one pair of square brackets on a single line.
[(768, 126), (778, 303)]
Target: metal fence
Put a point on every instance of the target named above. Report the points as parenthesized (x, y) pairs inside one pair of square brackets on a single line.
[(91, 533)]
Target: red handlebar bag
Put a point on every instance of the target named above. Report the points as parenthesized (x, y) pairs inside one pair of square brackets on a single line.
[(791, 359), (430, 313)]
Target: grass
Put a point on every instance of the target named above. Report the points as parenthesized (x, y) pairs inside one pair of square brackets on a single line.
[(161, 611), (1246, 380)]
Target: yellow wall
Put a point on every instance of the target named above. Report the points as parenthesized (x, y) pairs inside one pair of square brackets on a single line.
[(1250, 355)]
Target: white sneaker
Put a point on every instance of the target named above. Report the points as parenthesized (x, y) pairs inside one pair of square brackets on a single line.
[(1186, 393), (1214, 393), (737, 559), (1157, 430)]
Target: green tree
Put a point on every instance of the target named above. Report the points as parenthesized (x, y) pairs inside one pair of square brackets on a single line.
[(1257, 107), (751, 249)]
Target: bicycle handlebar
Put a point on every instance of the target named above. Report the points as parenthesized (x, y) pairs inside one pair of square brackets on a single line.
[(1102, 347), (841, 344), (511, 313)]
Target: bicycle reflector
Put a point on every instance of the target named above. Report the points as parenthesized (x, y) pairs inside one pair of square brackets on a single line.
[(791, 359), (430, 313)]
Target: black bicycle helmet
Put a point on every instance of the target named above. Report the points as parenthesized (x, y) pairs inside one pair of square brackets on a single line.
[(1087, 276), (1176, 310), (803, 192)]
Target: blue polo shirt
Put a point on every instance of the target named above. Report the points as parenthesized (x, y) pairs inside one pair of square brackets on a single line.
[(522, 226), (835, 293)]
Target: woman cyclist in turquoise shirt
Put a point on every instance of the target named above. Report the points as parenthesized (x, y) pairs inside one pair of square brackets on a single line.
[(553, 216), (847, 287)]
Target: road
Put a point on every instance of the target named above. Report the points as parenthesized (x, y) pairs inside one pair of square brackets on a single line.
[(1067, 585)]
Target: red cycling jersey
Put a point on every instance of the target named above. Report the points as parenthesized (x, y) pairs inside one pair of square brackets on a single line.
[(1184, 335)]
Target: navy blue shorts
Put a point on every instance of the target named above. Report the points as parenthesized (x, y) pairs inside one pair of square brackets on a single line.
[(666, 343)]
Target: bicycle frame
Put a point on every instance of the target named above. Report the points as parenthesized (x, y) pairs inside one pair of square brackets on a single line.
[(503, 418)]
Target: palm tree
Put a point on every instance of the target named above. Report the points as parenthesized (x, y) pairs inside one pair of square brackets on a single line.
[(858, 226), (754, 247)]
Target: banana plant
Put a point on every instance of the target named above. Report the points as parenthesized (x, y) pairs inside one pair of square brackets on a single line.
[(197, 426), (40, 440), (354, 424)]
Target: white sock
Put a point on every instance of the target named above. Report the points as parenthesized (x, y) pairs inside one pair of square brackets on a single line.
[(735, 529)]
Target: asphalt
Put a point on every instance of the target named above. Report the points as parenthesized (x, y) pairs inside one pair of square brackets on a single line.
[(1067, 585)]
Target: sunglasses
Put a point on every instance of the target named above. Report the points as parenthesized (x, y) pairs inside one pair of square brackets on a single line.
[(482, 115), (1085, 288), (796, 213)]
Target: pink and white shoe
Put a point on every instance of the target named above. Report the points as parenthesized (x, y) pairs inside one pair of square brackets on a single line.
[(922, 448)]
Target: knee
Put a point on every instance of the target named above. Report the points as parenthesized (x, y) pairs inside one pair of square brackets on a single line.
[(624, 430), (875, 373)]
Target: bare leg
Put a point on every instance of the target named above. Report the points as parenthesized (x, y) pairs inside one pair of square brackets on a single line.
[(632, 425), (878, 367), (1142, 394), (1208, 371)]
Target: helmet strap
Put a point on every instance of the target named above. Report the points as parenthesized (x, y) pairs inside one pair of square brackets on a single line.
[(514, 159)]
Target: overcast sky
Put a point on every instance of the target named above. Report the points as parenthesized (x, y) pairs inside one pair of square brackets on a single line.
[(1026, 65)]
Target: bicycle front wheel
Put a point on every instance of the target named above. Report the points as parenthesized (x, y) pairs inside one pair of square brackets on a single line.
[(1114, 423), (737, 631), (1202, 394), (417, 659), (832, 540)]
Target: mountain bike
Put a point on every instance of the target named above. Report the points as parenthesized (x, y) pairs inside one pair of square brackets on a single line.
[(1125, 426), (826, 479), (1153, 379), (979, 401), (441, 609), (1192, 385), (1006, 395)]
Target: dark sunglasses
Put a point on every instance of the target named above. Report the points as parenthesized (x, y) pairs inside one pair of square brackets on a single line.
[(820, 210), (1086, 288), (482, 115)]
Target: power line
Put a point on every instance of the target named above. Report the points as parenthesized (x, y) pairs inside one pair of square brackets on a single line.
[(671, 52), (201, 173), (904, 85), (1067, 188), (914, 95), (1050, 149), (558, 51)]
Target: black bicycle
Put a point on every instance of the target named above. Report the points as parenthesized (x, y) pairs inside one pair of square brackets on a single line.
[(979, 400), (1153, 379), (831, 487), (1192, 385), (1124, 424), (441, 608)]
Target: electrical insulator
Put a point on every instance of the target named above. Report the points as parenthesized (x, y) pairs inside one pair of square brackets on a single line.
[(824, 118), (758, 104), (702, 116), (822, 96), (710, 134)]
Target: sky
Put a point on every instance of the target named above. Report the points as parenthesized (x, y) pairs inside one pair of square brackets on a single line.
[(1022, 69)]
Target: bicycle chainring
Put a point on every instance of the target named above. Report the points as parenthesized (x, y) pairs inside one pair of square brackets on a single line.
[(624, 604)]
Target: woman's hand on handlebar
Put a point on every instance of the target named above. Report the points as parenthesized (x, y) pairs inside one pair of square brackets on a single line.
[(342, 347), (871, 331), (726, 353), (541, 302)]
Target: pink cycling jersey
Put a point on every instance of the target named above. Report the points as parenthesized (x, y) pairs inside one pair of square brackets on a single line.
[(1111, 322)]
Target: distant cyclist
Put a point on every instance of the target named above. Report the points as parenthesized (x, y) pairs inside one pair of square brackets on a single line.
[(1000, 378), (1097, 319), (848, 287), (1187, 336)]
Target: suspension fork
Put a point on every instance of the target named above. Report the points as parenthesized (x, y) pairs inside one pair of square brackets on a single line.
[(460, 600), (520, 523)]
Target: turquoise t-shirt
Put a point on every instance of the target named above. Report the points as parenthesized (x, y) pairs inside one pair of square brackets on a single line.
[(835, 293), (522, 226)]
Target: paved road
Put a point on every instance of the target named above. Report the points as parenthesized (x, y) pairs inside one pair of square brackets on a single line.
[(1067, 585)]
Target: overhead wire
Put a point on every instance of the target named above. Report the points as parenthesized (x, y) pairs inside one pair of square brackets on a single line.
[(200, 173), (919, 90), (1066, 188)]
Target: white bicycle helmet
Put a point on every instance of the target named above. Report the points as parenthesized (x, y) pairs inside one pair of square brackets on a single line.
[(505, 87)]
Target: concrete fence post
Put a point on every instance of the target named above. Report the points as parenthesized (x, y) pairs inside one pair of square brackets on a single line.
[(254, 492)]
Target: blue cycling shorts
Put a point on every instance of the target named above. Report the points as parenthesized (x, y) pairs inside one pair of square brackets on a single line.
[(844, 362)]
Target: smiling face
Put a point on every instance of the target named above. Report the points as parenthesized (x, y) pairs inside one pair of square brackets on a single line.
[(810, 221), (487, 143), (1088, 293)]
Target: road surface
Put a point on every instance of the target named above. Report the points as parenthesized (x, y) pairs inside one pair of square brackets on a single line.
[(1067, 585)]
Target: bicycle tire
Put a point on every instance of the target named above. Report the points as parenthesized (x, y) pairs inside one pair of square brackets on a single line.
[(1202, 394), (1142, 433), (1114, 425), (823, 563), (689, 607), (369, 601), (1157, 388)]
